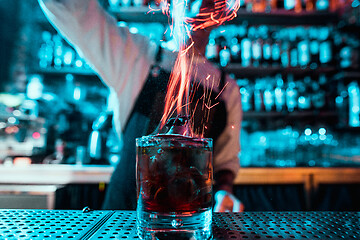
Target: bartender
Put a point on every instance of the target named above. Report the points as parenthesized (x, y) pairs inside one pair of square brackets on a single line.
[(137, 71)]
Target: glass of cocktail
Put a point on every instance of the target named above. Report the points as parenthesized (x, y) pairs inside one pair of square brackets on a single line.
[(174, 176)]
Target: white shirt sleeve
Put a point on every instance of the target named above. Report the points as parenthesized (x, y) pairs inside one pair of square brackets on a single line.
[(121, 59)]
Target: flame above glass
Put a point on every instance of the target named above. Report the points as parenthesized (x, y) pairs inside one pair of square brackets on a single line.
[(211, 13)]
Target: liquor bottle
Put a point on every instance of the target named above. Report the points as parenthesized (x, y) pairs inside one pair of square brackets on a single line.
[(125, 3), (46, 51), (269, 95), (58, 51), (276, 51), (325, 48), (246, 96), (285, 53), (224, 50), (304, 100), (279, 93), (225, 56), (291, 94), (294, 56), (345, 56), (304, 53), (68, 56), (309, 5), (354, 101), (235, 49), (139, 3), (322, 5), (298, 6), (266, 59), (114, 4), (349, 53), (258, 5), (272, 4), (333, 5), (211, 52), (342, 104), (256, 50), (258, 96), (314, 48), (289, 4), (245, 52)]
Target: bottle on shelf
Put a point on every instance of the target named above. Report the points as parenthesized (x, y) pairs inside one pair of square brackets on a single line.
[(325, 47), (125, 3), (258, 5), (224, 53), (304, 53), (354, 101), (289, 4), (138, 3), (246, 51), (279, 94), (304, 99), (291, 94), (342, 104), (259, 96), (269, 95), (114, 4), (294, 56), (322, 5), (314, 47), (285, 53), (349, 51), (267, 49), (266, 46), (58, 51), (256, 50), (235, 49), (276, 50), (246, 95), (46, 51), (310, 5), (212, 49), (68, 57)]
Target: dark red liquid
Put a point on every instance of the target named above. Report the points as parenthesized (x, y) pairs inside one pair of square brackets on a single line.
[(174, 178)]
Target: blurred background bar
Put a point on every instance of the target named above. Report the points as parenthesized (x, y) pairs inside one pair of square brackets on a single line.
[(297, 63)]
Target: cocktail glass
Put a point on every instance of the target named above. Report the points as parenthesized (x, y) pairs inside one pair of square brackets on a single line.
[(174, 177)]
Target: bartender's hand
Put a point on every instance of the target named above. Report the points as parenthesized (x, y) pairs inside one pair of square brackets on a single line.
[(225, 201)]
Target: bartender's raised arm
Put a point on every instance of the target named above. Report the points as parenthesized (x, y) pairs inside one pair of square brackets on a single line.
[(113, 52)]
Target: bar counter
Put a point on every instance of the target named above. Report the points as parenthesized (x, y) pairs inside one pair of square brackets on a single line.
[(47, 174), (76, 224), (311, 182)]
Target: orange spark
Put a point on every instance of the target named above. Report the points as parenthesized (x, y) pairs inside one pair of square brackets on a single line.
[(177, 97)]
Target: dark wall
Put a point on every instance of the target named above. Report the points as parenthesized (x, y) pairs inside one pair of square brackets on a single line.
[(9, 26)]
